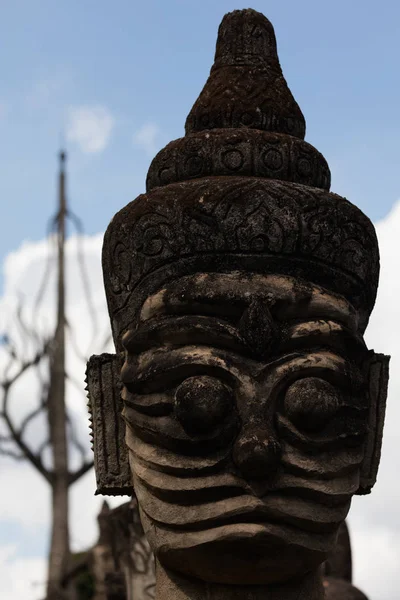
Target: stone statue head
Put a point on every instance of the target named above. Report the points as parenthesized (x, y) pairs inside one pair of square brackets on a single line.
[(239, 289)]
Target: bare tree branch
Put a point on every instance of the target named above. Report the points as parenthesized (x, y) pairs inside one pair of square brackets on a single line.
[(42, 447), (26, 332), (74, 345), (7, 383), (74, 440), (12, 454), (84, 275), (28, 419), (15, 432), (9, 348), (33, 348), (33, 458), (46, 273), (74, 476), (77, 384)]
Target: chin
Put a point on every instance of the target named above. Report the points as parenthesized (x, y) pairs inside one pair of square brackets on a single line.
[(240, 553)]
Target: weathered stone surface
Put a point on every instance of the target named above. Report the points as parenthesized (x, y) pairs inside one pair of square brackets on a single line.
[(120, 566), (130, 549), (246, 88), (337, 589), (338, 571), (241, 152), (239, 289), (107, 427)]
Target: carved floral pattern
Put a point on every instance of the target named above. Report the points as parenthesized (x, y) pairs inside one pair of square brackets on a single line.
[(239, 152), (239, 216)]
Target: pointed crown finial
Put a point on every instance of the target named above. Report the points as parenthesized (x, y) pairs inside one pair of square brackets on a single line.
[(246, 37), (246, 87), (246, 120)]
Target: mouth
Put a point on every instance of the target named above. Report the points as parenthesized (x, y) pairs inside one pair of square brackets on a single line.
[(255, 531), (229, 503)]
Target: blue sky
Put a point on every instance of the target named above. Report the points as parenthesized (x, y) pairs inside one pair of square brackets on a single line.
[(114, 81), (145, 64)]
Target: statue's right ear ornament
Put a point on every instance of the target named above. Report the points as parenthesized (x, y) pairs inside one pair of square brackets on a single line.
[(376, 373), (111, 462)]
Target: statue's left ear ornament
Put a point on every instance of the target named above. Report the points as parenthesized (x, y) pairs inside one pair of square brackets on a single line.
[(111, 463)]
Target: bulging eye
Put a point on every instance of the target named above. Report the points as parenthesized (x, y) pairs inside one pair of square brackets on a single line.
[(202, 402), (311, 402)]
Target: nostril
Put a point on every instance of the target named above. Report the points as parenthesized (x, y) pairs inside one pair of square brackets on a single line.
[(256, 454)]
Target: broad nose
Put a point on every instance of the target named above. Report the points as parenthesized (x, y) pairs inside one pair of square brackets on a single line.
[(256, 452)]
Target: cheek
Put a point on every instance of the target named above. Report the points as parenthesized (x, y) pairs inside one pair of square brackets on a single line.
[(202, 403), (310, 403)]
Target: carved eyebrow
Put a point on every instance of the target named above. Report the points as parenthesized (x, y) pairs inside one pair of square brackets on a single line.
[(171, 366), (323, 332), (227, 294), (184, 330), (187, 330)]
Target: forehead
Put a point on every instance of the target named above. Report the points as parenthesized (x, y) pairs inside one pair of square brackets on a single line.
[(227, 294)]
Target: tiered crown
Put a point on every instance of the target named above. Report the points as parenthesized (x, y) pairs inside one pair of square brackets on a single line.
[(241, 190)]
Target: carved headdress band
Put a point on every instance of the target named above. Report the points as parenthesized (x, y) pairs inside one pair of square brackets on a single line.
[(242, 189)]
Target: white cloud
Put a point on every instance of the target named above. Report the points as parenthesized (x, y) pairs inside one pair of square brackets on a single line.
[(146, 137), (90, 127), (21, 579), (376, 555), (374, 519), (20, 481)]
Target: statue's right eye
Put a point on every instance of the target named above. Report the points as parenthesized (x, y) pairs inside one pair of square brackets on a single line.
[(311, 402), (202, 402)]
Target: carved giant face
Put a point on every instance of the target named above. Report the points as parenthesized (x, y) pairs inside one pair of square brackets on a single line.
[(247, 414)]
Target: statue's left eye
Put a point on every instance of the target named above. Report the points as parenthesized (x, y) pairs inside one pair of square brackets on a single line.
[(311, 402), (202, 403)]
